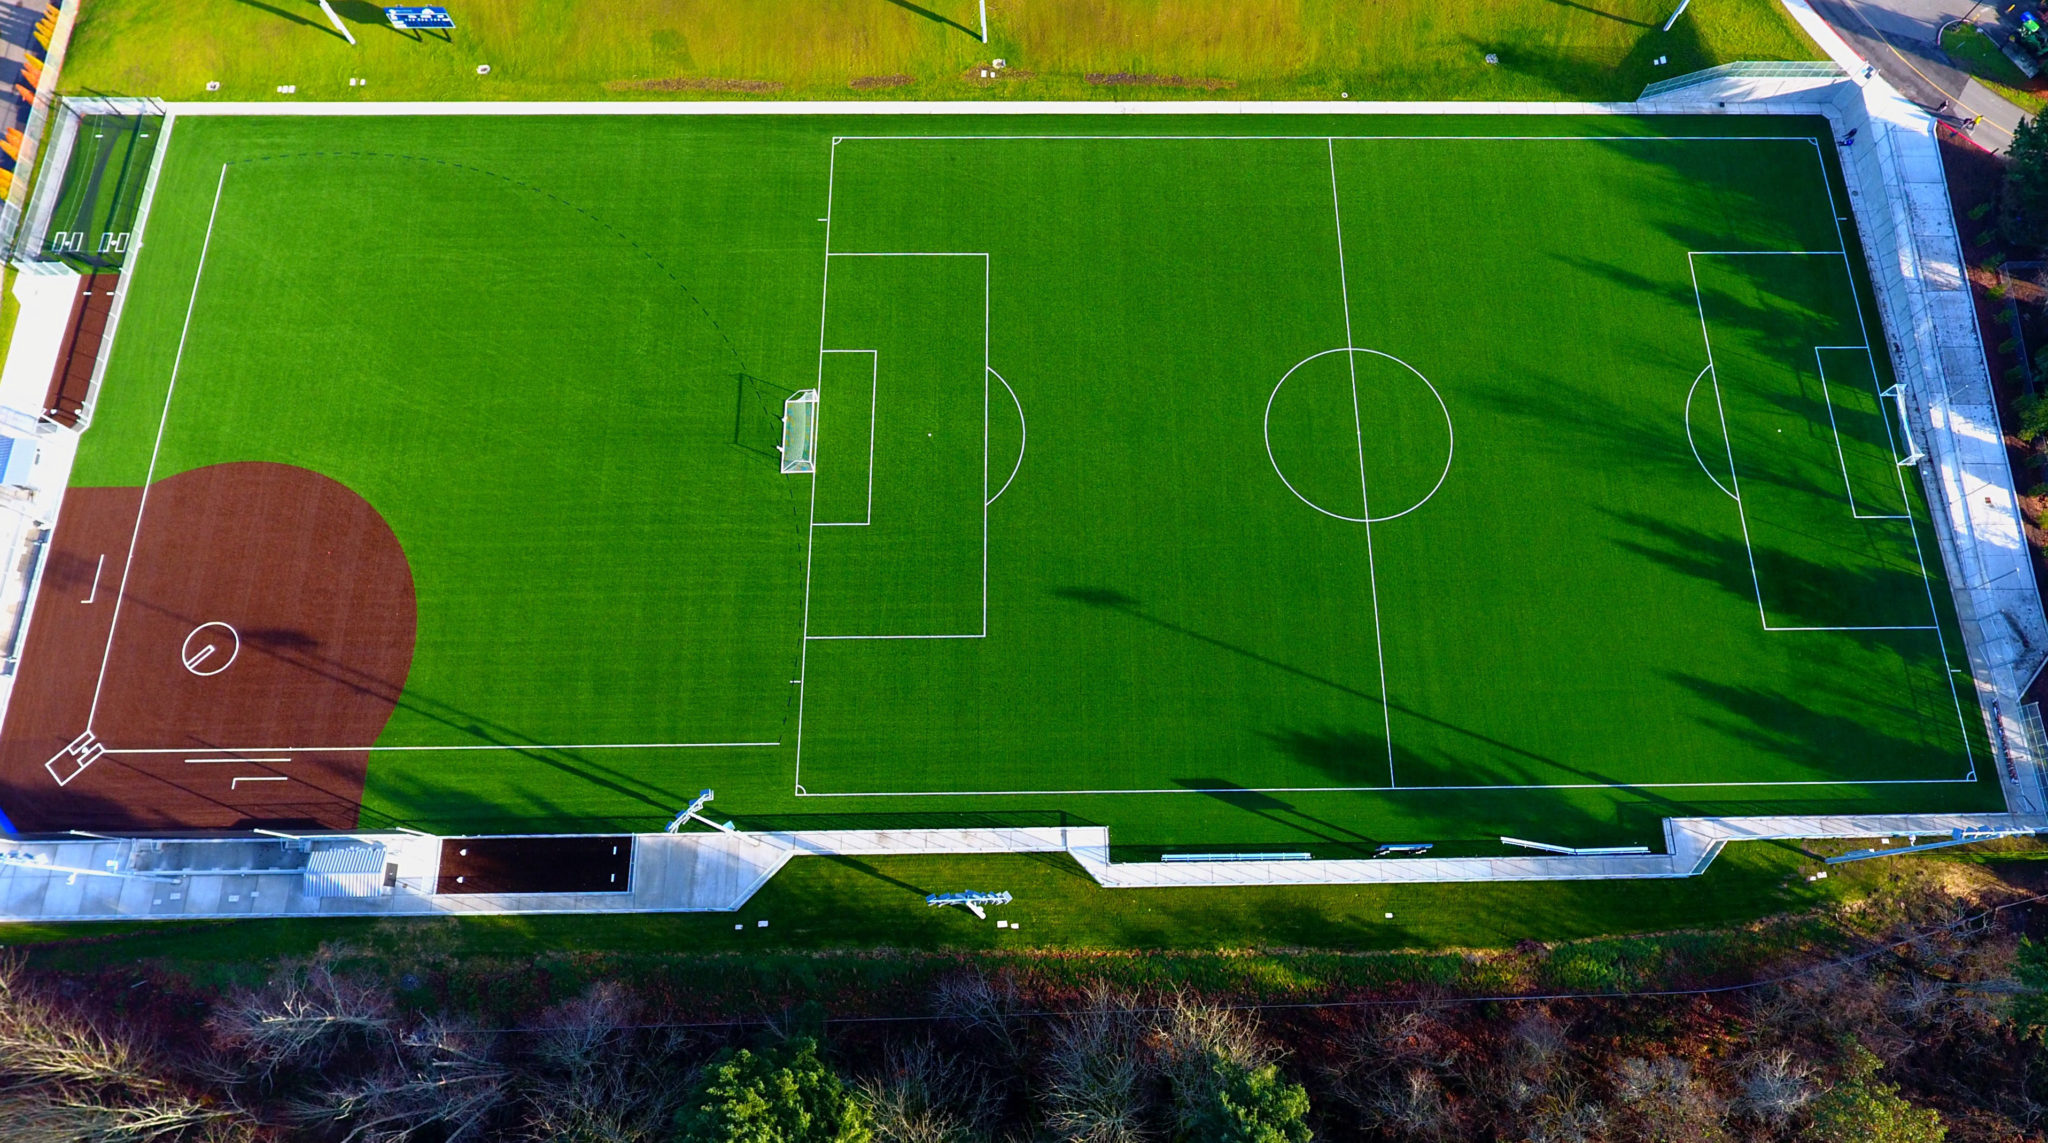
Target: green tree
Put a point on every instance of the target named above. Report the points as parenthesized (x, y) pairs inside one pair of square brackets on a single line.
[(2023, 208), (786, 1096), (2030, 972), (1861, 1110), (1245, 1105), (2032, 415)]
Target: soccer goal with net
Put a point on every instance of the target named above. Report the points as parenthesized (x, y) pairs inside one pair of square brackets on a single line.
[(799, 445)]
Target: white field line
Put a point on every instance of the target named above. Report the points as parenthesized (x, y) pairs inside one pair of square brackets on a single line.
[(1927, 581), (189, 749), (1919, 554), (156, 449), (811, 531), (1688, 434), (874, 400), (1365, 499), (1742, 510), (1841, 452), (985, 498), (1023, 438), (229, 761), (1319, 138), (235, 783), (1386, 789)]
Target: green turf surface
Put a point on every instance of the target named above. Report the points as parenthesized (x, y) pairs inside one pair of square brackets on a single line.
[(551, 352), (865, 49), (94, 215)]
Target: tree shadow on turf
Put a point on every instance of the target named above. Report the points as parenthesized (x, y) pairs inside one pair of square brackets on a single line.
[(1275, 810), (1801, 592), (1824, 744)]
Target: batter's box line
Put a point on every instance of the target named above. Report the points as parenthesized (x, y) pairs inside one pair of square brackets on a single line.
[(803, 793), (188, 750)]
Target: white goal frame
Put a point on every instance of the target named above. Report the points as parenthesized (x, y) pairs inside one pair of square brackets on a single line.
[(799, 447)]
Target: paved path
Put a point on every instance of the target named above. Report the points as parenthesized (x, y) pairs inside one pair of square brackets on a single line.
[(1902, 38)]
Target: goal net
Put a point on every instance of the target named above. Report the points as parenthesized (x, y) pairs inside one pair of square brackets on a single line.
[(799, 446)]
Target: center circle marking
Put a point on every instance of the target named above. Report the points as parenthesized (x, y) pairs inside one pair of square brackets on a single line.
[(1450, 437), (210, 648)]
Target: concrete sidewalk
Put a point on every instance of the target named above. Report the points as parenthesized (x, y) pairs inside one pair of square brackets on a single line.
[(1902, 39)]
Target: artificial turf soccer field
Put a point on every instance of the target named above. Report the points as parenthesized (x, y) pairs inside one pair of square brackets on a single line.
[(1235, 482)]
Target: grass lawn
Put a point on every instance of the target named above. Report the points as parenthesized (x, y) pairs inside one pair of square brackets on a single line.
[(841, 904), (601, 49), (1975, 52), (1109, 525)]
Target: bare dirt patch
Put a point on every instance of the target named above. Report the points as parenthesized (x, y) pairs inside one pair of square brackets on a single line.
[(267, 607), (1130, 79), (875, 82), (696, 83)]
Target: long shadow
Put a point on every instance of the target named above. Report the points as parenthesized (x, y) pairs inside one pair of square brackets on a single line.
[(1111, 599), (928, 14), (294, 648), (294, 17), (1798, 591), (1604, 15), (1270, 808)]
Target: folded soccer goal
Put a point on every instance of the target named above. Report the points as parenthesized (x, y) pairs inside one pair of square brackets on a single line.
[(799, 445)]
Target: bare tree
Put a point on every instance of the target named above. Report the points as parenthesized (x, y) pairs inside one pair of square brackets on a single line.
[(1663, 1101), (444, 1075), (1096, 1074), (43, 1043), (983, 1006), (926, 1095), (1776, 1086), (592, 1079), (303, 1017), (75, 1117)]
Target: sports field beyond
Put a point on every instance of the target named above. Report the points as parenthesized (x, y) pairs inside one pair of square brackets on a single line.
[(1235, 482)]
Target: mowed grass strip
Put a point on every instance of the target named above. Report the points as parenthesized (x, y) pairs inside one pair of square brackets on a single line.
[(1062, 49)]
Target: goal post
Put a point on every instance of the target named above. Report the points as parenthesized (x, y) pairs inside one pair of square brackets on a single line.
[(799, 447), (1913, 454)]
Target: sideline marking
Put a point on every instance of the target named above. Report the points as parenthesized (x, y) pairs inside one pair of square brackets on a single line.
[(1688, 433), (156, 450), (466, 746), (97, 569), (1385, 789), (1365, 500), (229, 761)]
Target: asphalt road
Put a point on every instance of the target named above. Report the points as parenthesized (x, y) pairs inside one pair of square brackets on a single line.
[(1902, 37)]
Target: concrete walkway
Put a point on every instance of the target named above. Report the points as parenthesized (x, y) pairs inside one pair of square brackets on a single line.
[(102, 879), (1902, 38)]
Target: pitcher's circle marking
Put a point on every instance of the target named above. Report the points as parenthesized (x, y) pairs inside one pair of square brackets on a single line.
[(210, 648)]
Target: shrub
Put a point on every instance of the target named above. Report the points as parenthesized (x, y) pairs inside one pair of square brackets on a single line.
[(1860, 1110), (786, 1096)]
